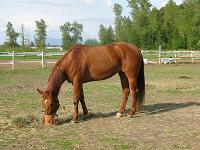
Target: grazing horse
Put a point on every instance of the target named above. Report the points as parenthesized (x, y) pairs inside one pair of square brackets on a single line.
[(83, 64)]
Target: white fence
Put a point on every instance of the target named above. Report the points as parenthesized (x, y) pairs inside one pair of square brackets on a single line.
[(150, 57), (168, 57), (39, 55)]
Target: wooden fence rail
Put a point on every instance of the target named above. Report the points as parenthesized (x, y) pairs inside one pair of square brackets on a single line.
[(39, 55), (161, 57), (165, 57)]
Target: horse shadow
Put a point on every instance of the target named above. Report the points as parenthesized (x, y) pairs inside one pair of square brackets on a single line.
[(150, 109), (166, 107)]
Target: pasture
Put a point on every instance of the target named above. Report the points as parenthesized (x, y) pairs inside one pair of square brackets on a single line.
[(170, 118)]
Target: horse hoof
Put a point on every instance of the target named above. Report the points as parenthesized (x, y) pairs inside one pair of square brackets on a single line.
[(118, 115), (73, 121)]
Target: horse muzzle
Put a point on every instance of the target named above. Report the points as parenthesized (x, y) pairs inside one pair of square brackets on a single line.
[(49, 119)]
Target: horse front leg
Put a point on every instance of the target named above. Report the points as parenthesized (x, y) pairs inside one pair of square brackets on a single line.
[(77, 95), (134, 91)]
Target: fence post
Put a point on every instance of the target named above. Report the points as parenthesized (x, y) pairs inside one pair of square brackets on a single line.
[(192, 55), (42, 59), (159, 54), (175, 55), (13, 60)]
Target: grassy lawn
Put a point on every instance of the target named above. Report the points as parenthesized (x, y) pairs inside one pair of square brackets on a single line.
[(170, 118)]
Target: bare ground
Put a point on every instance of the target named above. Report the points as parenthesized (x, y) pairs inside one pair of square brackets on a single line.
[(169, 120)]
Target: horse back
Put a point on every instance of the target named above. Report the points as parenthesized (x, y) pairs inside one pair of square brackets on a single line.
[(97, 63)]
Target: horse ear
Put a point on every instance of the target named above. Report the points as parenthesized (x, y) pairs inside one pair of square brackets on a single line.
[(41, 92)]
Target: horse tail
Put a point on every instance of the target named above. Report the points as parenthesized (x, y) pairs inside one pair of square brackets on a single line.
[(141, 86)]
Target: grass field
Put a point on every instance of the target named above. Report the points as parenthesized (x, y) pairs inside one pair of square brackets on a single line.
[(169, 120)]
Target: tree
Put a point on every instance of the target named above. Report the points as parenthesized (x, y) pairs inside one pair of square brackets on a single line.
[(106, 35), (102, 34), (118, 22), (169, 23), (31, 44), (140, 10), (71, 34), (192, 23), (153, 34), (40, 36), (92, 42), (11, 35), (110, 35), (173, 26), (22, 35)]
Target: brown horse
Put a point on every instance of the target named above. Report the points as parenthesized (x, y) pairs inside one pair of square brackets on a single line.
[(82, 64)]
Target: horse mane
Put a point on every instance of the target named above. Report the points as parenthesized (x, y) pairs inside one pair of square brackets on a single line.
[(57, 76)]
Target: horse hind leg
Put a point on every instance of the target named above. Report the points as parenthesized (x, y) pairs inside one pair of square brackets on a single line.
[(134, 92), (125, 92)]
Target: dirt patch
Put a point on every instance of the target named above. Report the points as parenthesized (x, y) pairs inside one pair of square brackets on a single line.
[(169, 120)]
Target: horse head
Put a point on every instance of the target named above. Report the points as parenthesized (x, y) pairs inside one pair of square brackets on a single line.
[(51, 104)]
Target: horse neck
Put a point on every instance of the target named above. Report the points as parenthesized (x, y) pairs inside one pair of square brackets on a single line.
[(56, 80)]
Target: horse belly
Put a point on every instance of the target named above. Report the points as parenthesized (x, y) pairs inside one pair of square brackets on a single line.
[(103, 71), (102, 63)]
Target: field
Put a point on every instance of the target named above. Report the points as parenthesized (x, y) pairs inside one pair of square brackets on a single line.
[(169, 120)]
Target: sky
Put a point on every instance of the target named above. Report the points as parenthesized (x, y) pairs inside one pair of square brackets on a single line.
[(90, 13)]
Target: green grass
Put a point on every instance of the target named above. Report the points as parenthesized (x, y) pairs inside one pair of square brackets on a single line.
[(172, 103), (115, 143), (181, 147), (65, 144)]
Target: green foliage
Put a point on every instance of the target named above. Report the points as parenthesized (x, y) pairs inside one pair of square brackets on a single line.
[(71, 34), (5, 48), (198, 45), (40, 36), (11, 36), (118, 22), (140, 10), (92, 42), (106, 35), (173, 26)]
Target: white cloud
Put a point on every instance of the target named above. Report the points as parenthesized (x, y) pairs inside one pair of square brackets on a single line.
[(161, 3), (60, 3), (88, 2), (2, 24), (109, 3)]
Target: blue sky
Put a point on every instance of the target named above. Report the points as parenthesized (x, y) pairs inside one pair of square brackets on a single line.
[(90, 13)]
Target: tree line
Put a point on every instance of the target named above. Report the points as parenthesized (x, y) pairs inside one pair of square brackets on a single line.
[(173, 26), (71, 34)]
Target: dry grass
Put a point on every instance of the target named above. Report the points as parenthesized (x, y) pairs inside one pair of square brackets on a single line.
[(169, 120)]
